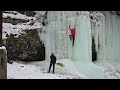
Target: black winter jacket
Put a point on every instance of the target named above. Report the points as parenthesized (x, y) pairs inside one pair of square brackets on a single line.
[(53, 59)]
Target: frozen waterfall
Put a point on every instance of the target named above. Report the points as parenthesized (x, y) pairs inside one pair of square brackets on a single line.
[(104, 27), (57, 35)]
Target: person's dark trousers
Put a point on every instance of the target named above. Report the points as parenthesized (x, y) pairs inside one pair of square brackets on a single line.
[(73, 39), (70, 37), (51, 66)]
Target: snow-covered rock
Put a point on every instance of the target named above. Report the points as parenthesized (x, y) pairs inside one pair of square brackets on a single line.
[(9, 28), (3, 47), (20, 36)]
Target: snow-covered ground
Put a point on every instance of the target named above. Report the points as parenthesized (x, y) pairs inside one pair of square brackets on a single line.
[(22, 71), (109, 70), (38, 70)]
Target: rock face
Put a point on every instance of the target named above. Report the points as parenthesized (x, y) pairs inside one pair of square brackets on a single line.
[(21, 36), (27, 47)]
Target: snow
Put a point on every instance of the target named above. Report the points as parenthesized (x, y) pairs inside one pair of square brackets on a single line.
[(96, 20), (18, 29), (68, 69), (18, 16), (3, 47), (109, 70), (11, 29), (41, 12), (38, 70), (22, 71)]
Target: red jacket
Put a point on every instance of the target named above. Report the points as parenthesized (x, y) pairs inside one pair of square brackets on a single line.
[(73, 31)]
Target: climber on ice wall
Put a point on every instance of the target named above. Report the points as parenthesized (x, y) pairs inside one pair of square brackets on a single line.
[(73, 32)]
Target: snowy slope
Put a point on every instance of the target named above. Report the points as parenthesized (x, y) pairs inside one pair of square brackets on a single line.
[(83, 70), (22, 71), (38, 69), (109, 71)]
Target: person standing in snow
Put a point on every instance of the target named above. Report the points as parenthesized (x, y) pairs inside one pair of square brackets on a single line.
[(73, 32), (52, 62)]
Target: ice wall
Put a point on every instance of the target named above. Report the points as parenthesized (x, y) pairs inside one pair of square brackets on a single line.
[(107, 38), (82, 47), (57, 35), (98, 33), (104, 28), (112, 37)]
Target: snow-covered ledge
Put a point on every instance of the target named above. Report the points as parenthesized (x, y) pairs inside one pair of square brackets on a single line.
[(3, 47)]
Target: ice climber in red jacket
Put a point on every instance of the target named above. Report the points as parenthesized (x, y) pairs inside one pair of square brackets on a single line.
[(73, 32)]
